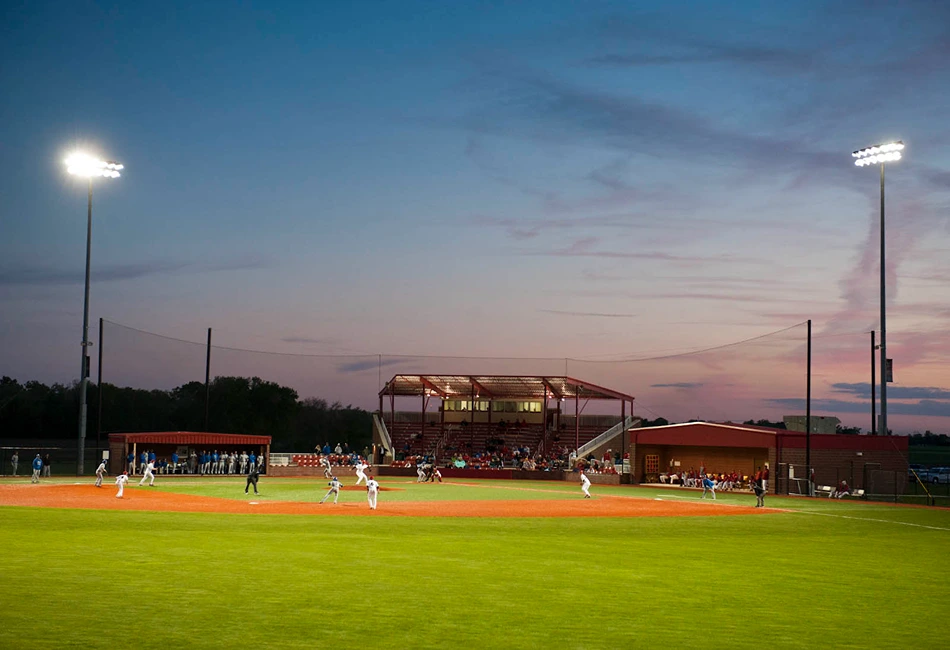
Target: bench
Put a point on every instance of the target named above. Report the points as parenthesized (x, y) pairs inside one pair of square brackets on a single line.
[(824, 490)]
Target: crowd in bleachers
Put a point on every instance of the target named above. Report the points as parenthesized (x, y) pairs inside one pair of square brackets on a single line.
[(502, 457)]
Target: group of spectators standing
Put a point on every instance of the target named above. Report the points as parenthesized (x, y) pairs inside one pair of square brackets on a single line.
[(41, 465), (203, 462)]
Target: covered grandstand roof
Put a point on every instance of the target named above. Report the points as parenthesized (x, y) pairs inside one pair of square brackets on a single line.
[(497, 387)]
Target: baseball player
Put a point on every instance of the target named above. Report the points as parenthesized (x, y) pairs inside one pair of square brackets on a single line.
[(325, 464), (100, 472), (335, 486), (437, 474), (148, 474), (360, 471), (37, 468), (121, 480), (709, 485), (15, 460), (372, 490), (252, 480), (585, 485)]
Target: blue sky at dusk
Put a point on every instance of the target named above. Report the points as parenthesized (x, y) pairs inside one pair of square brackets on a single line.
[(604, 181)]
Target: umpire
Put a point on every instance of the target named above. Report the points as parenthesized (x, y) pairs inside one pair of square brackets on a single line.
[(252, 480)]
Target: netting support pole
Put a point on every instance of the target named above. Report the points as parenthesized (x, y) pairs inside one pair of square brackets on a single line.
[(99, 391), (808, 414), (208, 381), (873, 388)]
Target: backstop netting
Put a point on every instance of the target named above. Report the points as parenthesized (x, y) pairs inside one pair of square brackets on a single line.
[(762, 378)]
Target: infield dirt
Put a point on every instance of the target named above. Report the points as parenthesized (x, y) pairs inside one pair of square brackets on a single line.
[(139, 499)]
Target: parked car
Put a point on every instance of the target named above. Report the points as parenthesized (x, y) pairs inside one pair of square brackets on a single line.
[(939, 475), (913, 471)]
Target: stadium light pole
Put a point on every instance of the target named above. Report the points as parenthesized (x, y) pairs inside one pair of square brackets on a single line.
[(88, 167), (878, 155)]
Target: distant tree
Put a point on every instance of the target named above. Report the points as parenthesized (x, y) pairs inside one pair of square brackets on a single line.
[(929, 438), (237, 405), (766, 423), (659, 422)]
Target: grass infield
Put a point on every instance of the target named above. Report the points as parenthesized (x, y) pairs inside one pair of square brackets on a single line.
[(817, 574)]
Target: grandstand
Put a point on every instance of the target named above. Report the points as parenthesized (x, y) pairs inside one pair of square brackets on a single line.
[(485, 412)]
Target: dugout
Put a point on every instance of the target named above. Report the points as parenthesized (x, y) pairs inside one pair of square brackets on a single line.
[(164, 443), (724, 447)]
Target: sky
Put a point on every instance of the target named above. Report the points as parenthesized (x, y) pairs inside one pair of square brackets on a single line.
[(590, 187)]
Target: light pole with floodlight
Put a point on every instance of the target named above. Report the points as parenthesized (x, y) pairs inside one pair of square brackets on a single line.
[(88, 167), (880, 154)]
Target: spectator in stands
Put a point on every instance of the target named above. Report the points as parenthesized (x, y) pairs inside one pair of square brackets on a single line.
[(338, 449)]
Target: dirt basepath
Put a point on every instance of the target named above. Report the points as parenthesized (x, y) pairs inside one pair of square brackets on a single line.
[(93, 498)]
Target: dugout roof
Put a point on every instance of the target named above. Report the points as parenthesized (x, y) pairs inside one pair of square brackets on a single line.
[(494, 387), (188, 438)]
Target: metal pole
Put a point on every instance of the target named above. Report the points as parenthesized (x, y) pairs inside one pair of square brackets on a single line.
[(208, 380), (873, 388), (884, 430), (808, 412), (85, 343), (99, 391)]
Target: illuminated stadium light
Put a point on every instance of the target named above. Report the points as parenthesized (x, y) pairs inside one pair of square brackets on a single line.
[(80, 164), (874, 155), (88, 167), (879, 153)]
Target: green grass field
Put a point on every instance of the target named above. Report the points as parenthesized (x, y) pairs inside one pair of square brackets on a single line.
[(821, 574)]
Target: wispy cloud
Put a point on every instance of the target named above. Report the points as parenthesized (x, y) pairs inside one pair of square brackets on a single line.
[(48, 275), (586, 313), (863, 390), (678, 385), (368, 364), (925, 408)]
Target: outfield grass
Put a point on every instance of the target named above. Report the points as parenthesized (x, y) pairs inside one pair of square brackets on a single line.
[(822, 574)]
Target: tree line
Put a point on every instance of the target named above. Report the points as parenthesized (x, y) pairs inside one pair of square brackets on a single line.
[(242, 405)]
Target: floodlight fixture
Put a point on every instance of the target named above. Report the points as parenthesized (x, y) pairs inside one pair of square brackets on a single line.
[(879, 153), (81, 164)]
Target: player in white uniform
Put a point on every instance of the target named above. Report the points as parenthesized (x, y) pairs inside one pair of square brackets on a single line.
[(100, 472), (335, 486), (148, 474), (121, 480), (372, 489), (585, 485), (325, 464), (360, 471)]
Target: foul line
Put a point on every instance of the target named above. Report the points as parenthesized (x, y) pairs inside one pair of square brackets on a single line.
[(883, 521)]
